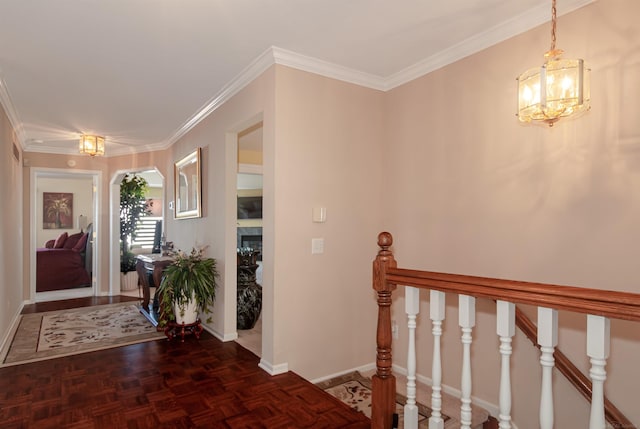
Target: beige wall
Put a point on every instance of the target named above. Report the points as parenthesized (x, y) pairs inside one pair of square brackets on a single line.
[(442, 163), (318, 152), (328, 154), (111, 170), (470, 190), (217, 136), (10, 231)]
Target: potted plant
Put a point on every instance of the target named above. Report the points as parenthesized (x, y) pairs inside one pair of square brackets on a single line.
[(188, 287), (133, 205)]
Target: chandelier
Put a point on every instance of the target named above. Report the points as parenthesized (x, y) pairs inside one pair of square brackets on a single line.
[(92, 145), (558, 89)]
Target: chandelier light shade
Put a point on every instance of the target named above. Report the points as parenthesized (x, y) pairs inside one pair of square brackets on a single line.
[(92, 145), (559, 88)]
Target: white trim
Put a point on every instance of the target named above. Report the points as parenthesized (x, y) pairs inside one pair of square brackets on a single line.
[(13, 327), (327, 69), (273, 369), (517, 25), (246, 76), (219, 335), (12, 113), (274, 55), (96, 176), (114, 222), (57, 295), (361, 369), (250, 168)]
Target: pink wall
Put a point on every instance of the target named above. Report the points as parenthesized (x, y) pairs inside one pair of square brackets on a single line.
[(472, 191), (217, 136), (10, 232), (108, 168), (328, 153), (442, 163)]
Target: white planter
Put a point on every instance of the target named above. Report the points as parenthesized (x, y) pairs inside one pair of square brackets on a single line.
[(188, 314), (129, 281)]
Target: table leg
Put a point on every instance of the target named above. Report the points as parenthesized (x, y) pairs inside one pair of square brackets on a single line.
[(144, 283)]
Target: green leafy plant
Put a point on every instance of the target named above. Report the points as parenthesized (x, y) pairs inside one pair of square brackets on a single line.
[(133, 205), (190, 275)]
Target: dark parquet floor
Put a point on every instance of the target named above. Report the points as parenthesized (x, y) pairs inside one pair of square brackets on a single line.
[(163, 384)]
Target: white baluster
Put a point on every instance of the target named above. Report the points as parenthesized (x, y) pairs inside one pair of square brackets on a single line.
[(466, 320), (412, 308), (548, 340), (506, 329), (437, 316), (598, 339)]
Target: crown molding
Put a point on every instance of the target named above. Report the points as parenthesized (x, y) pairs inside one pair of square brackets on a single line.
[(327, 69), (12, 113), (524, 22), (246, 76), (275, 55)]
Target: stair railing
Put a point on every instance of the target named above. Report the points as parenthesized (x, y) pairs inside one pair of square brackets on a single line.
[(599, 305)]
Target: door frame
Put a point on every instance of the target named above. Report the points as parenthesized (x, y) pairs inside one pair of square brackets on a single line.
[(114, 222), (96, 176)]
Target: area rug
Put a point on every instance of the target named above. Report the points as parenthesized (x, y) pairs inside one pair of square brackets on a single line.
[(355, 390), (60, 333)]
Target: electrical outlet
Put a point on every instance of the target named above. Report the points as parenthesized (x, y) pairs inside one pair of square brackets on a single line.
[(394, 329)]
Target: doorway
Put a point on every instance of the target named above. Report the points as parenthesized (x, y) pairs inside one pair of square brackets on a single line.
[(63, 217), (146, 240), (249, 218)]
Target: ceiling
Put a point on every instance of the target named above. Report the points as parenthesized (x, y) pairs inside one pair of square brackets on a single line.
[(143, 73)]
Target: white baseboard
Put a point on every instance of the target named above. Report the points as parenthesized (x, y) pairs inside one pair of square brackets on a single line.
[(219, 335), (58, 295), (13, 327), (273, 369), (364, 368)]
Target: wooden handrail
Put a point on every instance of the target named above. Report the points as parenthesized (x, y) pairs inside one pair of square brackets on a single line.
[(613, 304), (386, 276), (580, 381)]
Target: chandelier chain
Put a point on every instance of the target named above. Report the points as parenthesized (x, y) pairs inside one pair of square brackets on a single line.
[(553, 26)]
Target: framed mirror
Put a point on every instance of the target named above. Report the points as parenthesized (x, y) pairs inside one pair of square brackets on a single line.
[(187, 187)]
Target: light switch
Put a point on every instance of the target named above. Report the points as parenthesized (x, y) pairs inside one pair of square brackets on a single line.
[(317, 246), (319, 214)]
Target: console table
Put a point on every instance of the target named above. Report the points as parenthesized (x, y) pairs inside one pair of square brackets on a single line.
[(154, 264)]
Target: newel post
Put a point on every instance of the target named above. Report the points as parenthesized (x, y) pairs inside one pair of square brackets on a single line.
[(384, 382)]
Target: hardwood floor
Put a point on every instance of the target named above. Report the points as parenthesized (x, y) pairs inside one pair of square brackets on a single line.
[(163, 384)]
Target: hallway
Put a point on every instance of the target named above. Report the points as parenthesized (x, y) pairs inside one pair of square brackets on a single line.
[(163, 384)]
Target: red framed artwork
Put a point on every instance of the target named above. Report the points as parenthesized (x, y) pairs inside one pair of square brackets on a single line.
[(57, 210)]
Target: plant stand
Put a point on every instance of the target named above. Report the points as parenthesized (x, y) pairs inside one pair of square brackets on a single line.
[(173, 329)]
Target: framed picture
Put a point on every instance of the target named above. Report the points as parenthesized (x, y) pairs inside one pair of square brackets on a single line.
[(57, 210), (187, 187)]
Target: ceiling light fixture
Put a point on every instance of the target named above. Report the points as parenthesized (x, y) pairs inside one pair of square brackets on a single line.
[(92, 145), (557, 89)]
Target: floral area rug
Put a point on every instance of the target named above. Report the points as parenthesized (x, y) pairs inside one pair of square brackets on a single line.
[(53, 334), (355, 390)]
